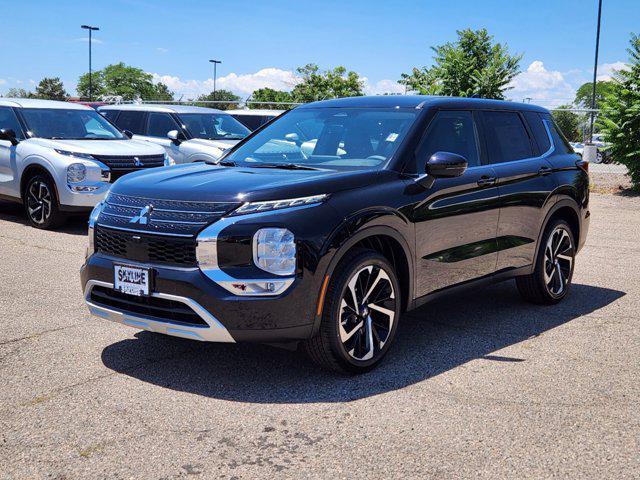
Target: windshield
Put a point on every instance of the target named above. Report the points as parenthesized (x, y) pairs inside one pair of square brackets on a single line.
[(335, 138), (62, 124), (214, 126)]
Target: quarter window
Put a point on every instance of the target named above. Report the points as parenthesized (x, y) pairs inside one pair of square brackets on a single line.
[(560, 142), (132, 121), (507, 137), (160, 124), (451, 132), (539, 131), (9, 121)]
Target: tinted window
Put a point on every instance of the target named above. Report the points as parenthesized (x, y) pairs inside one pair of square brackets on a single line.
[(450, 132), (214, 126), (110, 114), (507, 138), (132, 121), (560, 142), (539, 131), (252, 122), (8, 120), (160, 124)]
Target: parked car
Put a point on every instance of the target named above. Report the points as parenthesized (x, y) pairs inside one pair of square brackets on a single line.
[(254, 118), (602, 154), (401, 200), (187, 133), (58, 158)]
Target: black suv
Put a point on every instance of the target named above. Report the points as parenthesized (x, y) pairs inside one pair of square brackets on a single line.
[(325, 225)]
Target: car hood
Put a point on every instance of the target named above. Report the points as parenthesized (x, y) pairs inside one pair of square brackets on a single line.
[(101, 147), (204, 182)]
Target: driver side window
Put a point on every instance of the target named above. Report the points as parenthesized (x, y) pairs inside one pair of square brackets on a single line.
[(9, 121), (450, 132), (160, 124)]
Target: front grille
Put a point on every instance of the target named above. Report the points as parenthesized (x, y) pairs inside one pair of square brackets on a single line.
[(146, 248), (184, 218), (157, 308), (122, 164)]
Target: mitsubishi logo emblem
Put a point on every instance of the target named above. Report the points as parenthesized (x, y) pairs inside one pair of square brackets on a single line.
[(143, 217), (137, 162)]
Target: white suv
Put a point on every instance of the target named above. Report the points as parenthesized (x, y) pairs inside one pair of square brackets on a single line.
[(187, 133), (58, 158)]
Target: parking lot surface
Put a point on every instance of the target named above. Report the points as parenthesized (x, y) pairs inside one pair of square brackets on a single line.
[(478, 386)]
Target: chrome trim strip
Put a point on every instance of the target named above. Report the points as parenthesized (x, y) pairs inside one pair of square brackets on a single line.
[(215, 332)]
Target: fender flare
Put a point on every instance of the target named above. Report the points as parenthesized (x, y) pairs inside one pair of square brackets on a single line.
[(42, 162), (564, 201)]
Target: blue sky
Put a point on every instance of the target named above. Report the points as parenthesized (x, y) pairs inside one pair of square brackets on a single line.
[(262, 42)]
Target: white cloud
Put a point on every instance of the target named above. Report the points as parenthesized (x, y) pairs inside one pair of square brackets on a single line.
[(162, 50), (381, 87), (3, 81), (97, 41), (545, 87), (606, 70)]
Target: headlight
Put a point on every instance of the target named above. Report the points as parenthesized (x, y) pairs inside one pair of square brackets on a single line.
[(274, 251), (253, 207), (74, 154), (76, 172)]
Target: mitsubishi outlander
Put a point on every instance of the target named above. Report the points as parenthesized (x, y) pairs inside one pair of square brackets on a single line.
[(324, 226)]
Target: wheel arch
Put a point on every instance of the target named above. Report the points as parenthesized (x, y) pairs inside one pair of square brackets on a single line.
[(34, 169), (567, 209)]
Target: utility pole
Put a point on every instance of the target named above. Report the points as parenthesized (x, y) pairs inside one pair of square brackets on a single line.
[(215, 64), (91, 29), (595, 73)]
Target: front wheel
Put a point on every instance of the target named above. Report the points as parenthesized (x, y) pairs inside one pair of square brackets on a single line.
[(40, 203), (360, 315), (551, 278)]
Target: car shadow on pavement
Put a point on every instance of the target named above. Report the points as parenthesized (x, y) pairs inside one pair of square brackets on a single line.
[(431, 340), (14, 212)]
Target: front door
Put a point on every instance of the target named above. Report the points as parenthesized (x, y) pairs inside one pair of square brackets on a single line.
[(158, 125), (9, 184), (457, 218)]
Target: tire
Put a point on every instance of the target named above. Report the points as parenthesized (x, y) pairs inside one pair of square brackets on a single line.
[(551, 279), (599, 157), (41, 204), (353, 342)]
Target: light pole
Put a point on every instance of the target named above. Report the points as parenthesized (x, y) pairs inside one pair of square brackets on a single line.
[(91, 29), (595, 73), (215, 64)]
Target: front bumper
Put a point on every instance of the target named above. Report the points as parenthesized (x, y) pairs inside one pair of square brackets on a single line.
[(226, 317), (70, 200)]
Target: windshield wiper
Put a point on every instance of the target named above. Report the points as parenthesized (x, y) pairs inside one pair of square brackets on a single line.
[(284, 166)]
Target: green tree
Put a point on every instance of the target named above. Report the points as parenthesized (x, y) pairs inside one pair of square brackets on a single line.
[(162, 92), (278, 99), (583, 94), (18, 93), (620, 114), (319, 85), (472, 65), (568, 122), (120, 80), (51, 88), (221, 96)]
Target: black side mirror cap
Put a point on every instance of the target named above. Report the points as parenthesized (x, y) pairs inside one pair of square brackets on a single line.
[(446, 165), (128, 133), (9, 135)]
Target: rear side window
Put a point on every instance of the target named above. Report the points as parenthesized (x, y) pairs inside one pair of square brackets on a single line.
[(160, 124), (132, 121), (450, 132), (560, 142), (110, 114), (539, 131), (9, 121), (252, 122), (507, 137)]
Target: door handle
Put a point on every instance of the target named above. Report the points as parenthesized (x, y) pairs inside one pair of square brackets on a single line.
[(486, 181), (544, 171)]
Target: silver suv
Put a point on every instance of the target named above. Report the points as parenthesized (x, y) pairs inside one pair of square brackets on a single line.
[(187, 133), (58, 158)]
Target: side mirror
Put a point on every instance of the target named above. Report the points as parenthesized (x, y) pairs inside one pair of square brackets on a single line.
[(9, 135), (175, 136), (128, 133), (446, 165), (293, 137)]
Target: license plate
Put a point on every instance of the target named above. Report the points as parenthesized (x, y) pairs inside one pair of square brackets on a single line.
[(131, 280)]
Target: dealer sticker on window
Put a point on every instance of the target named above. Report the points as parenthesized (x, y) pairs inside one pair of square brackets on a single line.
[(131, 280)]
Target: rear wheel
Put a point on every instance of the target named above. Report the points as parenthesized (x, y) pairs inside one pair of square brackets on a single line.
[(551, 278), (41, 204), (360, 315)]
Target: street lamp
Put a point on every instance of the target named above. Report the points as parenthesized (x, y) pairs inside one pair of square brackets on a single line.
[(215, 64), (90, 28), (595, 73)]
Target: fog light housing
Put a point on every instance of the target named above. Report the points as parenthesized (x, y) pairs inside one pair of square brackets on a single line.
[(274, 251), (76, 172)]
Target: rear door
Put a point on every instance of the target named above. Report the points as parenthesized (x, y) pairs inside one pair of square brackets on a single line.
[(457, 218), (525, 183)]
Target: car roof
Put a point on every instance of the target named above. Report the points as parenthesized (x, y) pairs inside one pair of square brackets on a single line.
[(160, 108), (255, 111), (421, 102), (38, 103)]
